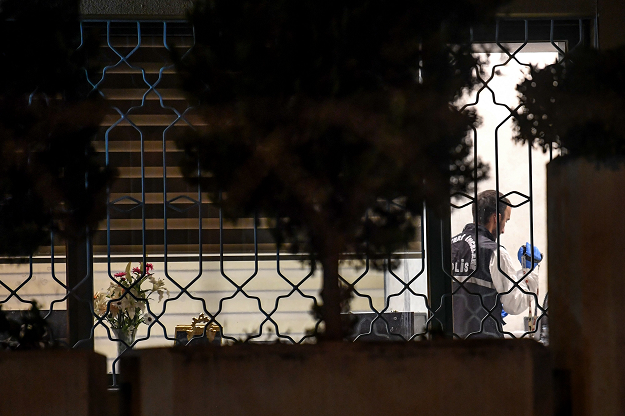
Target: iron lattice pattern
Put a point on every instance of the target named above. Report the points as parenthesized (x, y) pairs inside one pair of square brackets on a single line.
[(247, 289), (232, 273), (517, 172)]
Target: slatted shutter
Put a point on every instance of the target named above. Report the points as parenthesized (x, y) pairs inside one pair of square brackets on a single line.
[(150, 204)]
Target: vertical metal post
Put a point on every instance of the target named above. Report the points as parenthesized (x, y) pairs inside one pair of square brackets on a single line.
[(438, 257), (79, 272)]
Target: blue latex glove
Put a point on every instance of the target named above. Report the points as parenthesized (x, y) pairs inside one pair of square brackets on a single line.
[(525, 255), (503, 313)]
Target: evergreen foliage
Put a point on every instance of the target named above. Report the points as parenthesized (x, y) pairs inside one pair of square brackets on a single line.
[(50, 179), (335, 117), (576, 105), (30, 331)]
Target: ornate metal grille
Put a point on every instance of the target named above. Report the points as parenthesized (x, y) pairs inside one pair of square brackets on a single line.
[(518, 172), (233, 273)]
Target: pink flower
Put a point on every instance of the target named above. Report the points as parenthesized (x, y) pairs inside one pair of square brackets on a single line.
[(148, 267), (120, 274)]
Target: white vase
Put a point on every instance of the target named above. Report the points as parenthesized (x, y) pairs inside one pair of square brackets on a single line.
[(125, 338)]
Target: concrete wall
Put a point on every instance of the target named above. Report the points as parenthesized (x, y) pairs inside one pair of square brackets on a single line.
[(586, 316), (53, 383), (497, 377), (176, 8)]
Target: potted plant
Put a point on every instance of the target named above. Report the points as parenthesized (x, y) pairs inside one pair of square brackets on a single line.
[(576, 106)]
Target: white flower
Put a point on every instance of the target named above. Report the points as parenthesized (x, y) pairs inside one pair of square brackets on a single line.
[(129, 305), (158, 286), (99, 303), (115, 307), (127, 300)]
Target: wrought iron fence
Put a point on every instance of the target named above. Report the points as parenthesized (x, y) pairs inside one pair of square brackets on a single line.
[(518, 172), (248, 289)]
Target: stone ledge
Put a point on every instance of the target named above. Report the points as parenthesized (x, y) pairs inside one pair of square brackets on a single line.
[(511, 377), (53, 382)]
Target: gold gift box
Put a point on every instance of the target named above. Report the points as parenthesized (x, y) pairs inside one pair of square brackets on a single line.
[(197, 329)]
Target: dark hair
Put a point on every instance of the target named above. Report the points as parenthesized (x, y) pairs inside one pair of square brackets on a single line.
[(486, 206)]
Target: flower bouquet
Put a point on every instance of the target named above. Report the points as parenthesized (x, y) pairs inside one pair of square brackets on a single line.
[(123, 305)]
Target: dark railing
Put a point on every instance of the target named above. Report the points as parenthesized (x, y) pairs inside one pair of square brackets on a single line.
[(247, 289)]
